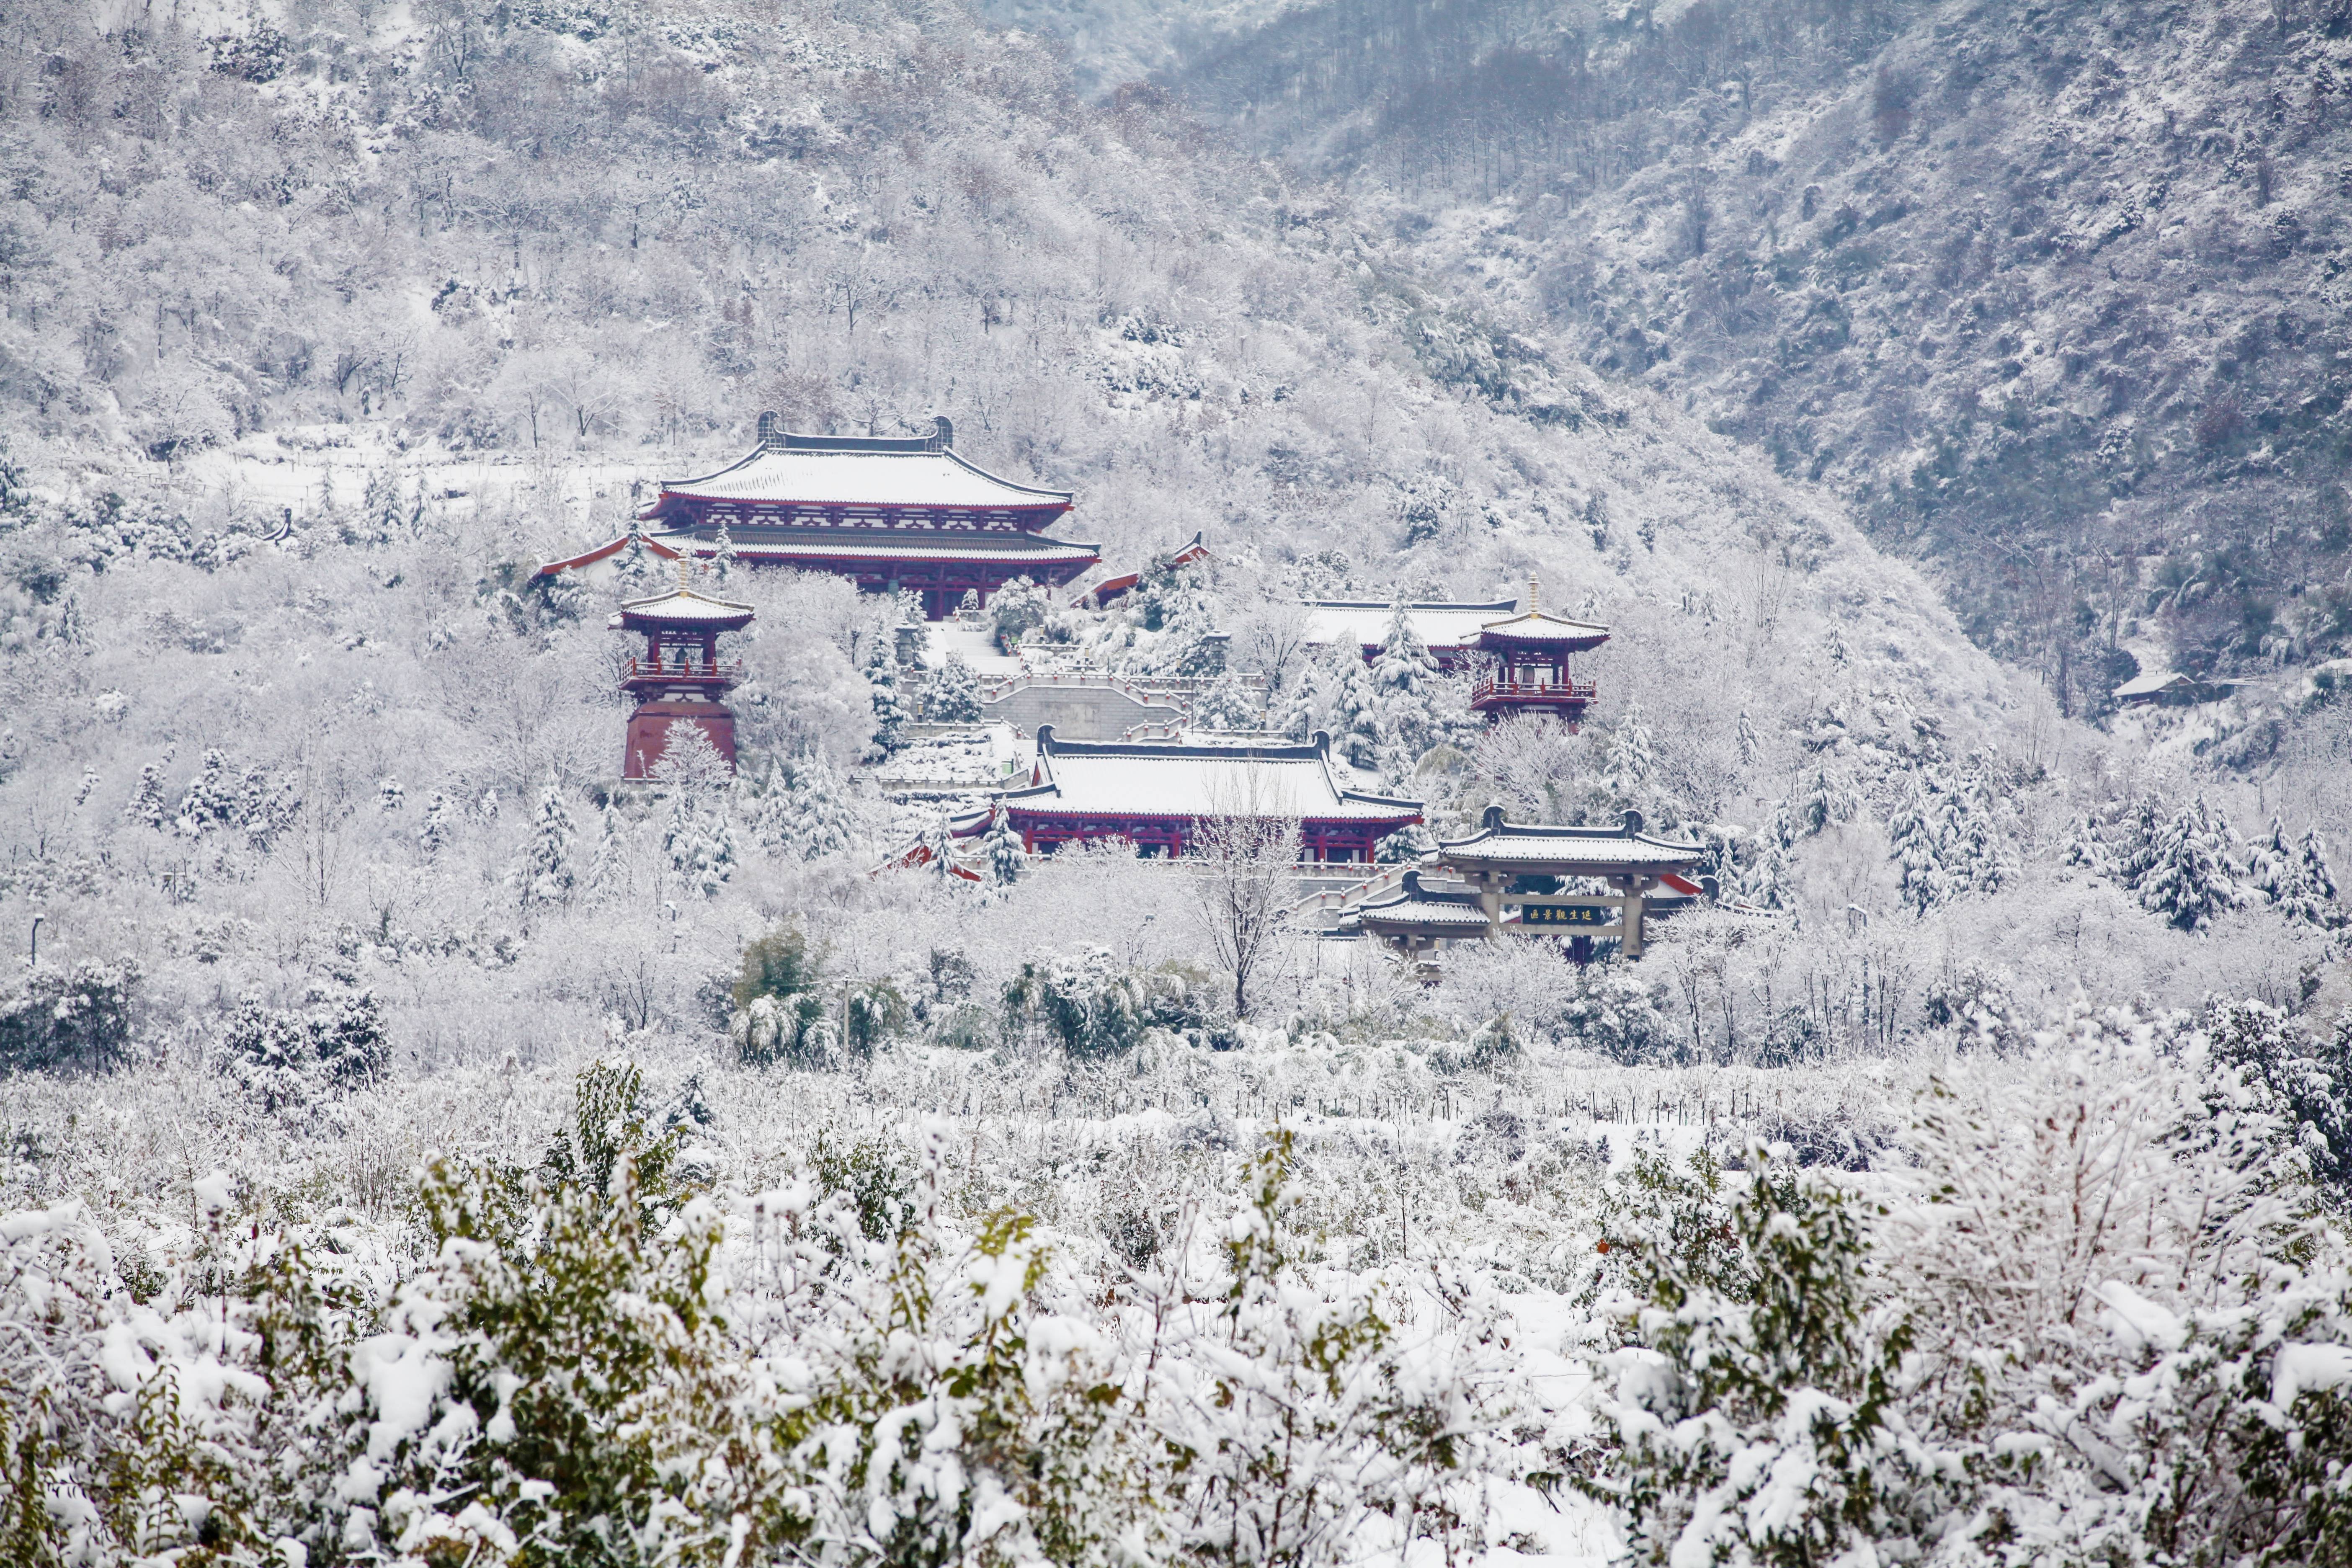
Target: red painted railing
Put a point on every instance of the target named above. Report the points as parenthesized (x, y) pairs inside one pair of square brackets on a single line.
[(1560, 693), (682, 674)]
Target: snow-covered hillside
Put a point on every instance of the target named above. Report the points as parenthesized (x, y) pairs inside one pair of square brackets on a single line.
[(422, 1148)]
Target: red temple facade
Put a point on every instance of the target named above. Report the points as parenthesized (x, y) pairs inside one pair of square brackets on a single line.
[(890, 515), (680, 675), (1154, 795)]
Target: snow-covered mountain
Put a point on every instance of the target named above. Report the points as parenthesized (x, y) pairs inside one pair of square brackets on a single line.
[(2052, 296)]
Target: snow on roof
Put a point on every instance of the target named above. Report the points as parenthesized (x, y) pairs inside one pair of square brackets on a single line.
[(2144, 685), (1366, 621), (1607, 849), (1417, 904), (1543, 626), (830, 470), (1142, 779), (912, 545), (682, 606)]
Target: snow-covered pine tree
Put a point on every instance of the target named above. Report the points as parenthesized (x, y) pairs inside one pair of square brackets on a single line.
[(146, 806), (1629, 770), (1976, 854), (1015, 610), (1823, 800), (1750, 741), (723, 557), (1408, 843), (211, 799), (1768, 876), (549, 874), (433, 832), (1307, 705), (389, 796), (2270, 863), (952, 697), (2308, 893), (2190, 878), (1355, 715), (2131, 837), (381, 514), (1913, 836), (689, 844), (636, 571), (16, 494), (609, 876), (1230, 704), (267, 806), (699, 838), (1006, 857), (1406, 687), (939, 851), (889, 718), (968, 607), (824, 818)]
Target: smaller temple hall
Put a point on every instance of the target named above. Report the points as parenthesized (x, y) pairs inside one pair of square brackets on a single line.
[(1519, 661), (1152, 796)]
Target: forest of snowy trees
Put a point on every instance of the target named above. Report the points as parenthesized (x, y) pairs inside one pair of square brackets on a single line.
[(416, 1148)]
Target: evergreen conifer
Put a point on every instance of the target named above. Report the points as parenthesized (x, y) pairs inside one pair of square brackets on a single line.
[(1005, 854), (2189, 878), (433, 832), (1914, 839), (889, 717), (146, 806), (608, 872), (549, 874), (953, 697), (2309, 893)]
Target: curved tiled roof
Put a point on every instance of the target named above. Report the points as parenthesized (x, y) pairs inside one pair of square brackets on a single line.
[(682, 606), (1125, 778), (1567, 851), (828, 470)]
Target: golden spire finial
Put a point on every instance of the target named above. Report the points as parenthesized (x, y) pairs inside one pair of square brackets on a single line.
[(685, 572), (1531, 593)]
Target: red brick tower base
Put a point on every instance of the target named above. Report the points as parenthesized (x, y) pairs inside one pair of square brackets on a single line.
[(649, 732)]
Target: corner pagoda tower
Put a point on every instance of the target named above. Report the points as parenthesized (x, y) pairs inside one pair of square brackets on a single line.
[(679, 675)]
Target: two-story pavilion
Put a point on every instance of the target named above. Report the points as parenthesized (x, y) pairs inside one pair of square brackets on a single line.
[(889, 514), (1519, 661)]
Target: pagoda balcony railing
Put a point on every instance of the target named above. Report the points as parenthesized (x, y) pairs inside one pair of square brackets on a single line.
[(1489, 691), (639, 669)]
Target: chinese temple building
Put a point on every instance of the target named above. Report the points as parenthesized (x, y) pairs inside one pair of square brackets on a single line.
[(679, 675), (1644, 873), (1501, 881), (1153, 795), (1414, 918), (1449, 631), (890, 515), (1520, 661)]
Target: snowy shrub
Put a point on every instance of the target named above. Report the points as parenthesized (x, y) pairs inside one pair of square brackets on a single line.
[(1318, 1419), (288, 1057), (1755, 1411), (776, 1005), (78, 1018), (1613, 1013)]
